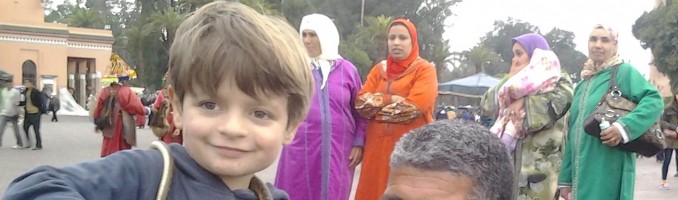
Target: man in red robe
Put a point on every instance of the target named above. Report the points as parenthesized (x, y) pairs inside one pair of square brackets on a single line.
[(119, 136), (173, 135)]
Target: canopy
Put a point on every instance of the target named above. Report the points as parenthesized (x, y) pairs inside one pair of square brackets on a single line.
[(473, 86)]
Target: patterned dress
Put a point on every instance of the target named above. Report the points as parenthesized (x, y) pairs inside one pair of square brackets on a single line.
[(538, 156)]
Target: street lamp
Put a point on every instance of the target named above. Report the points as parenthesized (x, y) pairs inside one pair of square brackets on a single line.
[(362, 13)]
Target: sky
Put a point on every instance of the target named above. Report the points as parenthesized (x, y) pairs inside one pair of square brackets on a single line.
[(474, 18)]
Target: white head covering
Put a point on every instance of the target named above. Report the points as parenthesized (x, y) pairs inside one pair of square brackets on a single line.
[(329, 42)]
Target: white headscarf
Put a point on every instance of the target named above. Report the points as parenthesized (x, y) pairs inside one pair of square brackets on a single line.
[(329, 42)]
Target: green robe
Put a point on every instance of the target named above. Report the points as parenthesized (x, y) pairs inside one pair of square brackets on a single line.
[(538, 156), (593, 169)]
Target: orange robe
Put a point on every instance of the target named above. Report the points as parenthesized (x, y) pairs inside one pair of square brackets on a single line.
[(419, 85), (127, 101)]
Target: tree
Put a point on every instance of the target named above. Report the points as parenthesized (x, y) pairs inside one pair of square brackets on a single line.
[(560, 41), (499, 39), (166, 22), (480, 56), (143, 29), (658, 30), (85, 18), (562, 44)]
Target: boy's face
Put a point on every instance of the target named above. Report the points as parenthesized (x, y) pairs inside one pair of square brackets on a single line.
[(233, 135)]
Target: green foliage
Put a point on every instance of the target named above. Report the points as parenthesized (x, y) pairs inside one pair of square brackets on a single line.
[(144, 29), (480, 56), (499, 40), (658, 30), (562, 44)]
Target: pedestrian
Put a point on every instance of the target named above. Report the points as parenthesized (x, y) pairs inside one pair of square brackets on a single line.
[(54, 106), (9, 109), (329, 143), (533, 137), (594, 167), (669, 125), (399, 95), (116, 104), (35, 107)]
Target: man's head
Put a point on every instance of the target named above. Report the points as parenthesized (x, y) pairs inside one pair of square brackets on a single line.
[(450, 159), (240, 86)]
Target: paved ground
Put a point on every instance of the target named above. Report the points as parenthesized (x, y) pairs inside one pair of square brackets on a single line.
[(73, 140)]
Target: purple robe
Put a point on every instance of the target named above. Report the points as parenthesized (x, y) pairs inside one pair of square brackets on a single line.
[(315, 166)]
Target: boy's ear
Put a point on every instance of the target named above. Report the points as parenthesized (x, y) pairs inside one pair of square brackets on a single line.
[(290, 133), (176, 107)]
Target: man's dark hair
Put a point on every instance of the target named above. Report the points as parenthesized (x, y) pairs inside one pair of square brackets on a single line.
[(463, 148)]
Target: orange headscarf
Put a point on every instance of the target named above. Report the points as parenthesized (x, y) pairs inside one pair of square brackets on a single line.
[(397, 67)]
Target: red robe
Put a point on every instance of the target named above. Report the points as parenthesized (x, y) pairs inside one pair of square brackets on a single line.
[(168, 137), (141, 120), (127, 101)]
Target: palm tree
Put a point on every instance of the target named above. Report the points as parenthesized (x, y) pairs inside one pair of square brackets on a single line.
[(166, 22), (192, 5), (261, 6), (85, 18), (479, 56), (375, 35)]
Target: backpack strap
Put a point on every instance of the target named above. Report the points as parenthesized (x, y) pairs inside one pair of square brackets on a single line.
[(260, 190), (167, 169)]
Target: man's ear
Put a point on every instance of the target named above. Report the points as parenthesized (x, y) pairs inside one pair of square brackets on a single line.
[(176, 107)]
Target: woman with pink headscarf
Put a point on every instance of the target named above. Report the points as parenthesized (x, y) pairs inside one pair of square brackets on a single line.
[(529, 105), (593, 167)]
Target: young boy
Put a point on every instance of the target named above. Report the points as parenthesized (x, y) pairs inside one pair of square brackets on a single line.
[(240, 86)]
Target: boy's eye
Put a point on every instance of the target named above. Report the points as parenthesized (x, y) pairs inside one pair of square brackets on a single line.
[(209, 105), (261, 114)]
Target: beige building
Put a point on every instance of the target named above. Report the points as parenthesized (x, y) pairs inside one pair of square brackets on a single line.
[(51, 55)]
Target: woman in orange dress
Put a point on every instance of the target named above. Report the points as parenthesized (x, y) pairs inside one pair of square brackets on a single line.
[(398, 96)]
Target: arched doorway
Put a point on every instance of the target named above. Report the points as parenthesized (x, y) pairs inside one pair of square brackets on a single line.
[(28, 71)]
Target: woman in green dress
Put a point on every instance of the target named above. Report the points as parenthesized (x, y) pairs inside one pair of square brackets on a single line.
[(537, 155), (593, 168)]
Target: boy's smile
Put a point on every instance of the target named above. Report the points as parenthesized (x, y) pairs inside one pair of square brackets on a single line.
[(229, 152), (232, 134)]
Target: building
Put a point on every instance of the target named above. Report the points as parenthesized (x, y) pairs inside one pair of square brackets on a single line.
[(51, 55)]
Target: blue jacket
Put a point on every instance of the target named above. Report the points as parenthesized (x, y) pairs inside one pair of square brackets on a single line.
[(130, 174)]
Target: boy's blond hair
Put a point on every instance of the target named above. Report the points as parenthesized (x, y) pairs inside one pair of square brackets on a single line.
[(224, 40)]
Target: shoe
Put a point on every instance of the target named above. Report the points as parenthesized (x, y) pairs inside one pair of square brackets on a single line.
[(664, 187), (37, 148), (17, 147)]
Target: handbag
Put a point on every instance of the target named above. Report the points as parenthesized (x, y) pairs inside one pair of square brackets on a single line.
[(614, 106)]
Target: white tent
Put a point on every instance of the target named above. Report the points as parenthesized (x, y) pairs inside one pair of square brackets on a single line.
[(69, 106)]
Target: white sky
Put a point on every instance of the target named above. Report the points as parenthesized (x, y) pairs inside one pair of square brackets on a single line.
[(474, 18)]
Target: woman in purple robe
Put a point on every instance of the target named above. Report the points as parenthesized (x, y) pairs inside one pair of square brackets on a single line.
[(320, 161)]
